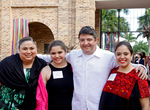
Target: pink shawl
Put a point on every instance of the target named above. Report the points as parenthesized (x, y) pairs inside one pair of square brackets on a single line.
[(41, 95)]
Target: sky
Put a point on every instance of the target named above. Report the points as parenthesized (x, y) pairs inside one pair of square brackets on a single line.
[(133, 21)]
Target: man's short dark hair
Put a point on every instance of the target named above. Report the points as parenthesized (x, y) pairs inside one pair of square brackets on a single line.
[(88, 30)]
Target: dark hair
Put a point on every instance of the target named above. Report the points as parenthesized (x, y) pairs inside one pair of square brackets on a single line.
[(143, 55), (140, 53), (87, 30), (127, 44), (57, 43), (28, 38)]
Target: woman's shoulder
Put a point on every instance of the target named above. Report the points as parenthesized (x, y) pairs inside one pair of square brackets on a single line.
[(68, 64), (46, 69), (46, 72), (114, 70), (142, 59), (10, 59)]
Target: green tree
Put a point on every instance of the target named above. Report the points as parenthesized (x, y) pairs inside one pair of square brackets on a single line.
[(143, 20), (129, 37), (110, 21), (141, 46)]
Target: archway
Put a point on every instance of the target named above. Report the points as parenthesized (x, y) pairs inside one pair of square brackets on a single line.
[(42, 35)]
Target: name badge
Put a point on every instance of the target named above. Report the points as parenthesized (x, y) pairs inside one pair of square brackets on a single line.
[(112, 77), (57, 74)]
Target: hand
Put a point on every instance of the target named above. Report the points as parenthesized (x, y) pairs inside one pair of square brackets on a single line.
[(142, 72)]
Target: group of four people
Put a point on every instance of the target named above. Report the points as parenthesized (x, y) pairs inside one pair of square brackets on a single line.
[(85, 79)]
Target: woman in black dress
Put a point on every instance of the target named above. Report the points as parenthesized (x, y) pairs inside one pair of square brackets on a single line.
[(58, 78)]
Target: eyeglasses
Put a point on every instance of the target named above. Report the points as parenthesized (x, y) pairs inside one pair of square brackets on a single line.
[(89, 27)]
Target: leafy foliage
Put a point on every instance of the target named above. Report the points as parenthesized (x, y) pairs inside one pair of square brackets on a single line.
[(144, 20), (129, 37), (110, 21), (141, 46)]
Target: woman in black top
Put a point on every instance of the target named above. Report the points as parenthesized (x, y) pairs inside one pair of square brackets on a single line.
[(19, 75), (139, 59), (58, 78)]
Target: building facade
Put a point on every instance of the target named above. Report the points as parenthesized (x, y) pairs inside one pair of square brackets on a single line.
[(48, 20)]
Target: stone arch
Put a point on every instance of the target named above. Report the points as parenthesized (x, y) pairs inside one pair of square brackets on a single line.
[(42, 34)]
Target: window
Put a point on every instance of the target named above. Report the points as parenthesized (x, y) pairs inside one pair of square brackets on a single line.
[(46, 49)]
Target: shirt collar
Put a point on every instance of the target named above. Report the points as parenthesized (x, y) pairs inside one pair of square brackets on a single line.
[(97, 53)]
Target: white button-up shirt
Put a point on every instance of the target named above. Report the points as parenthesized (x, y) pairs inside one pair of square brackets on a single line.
[(89, 75)]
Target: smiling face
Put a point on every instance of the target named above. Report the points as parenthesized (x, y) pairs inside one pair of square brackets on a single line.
[(57, 55), (87, 43), (123, 56), (27, 51)]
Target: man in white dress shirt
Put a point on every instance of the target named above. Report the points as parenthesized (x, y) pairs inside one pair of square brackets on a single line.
[(91, 67)]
